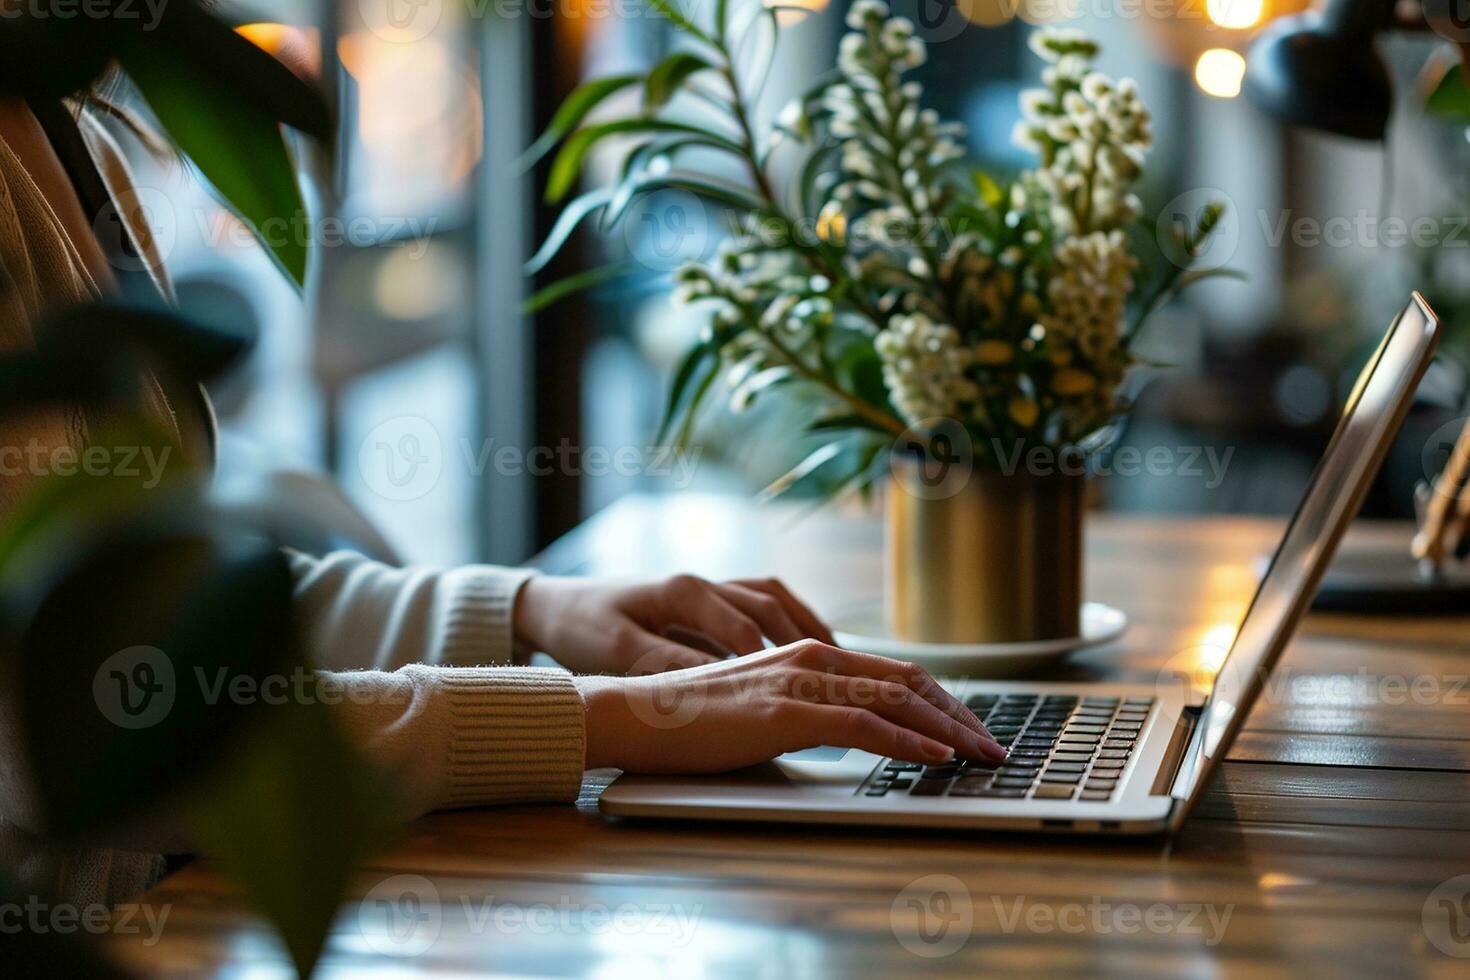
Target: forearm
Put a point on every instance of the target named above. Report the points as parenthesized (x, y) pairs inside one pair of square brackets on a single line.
[(354, 613)]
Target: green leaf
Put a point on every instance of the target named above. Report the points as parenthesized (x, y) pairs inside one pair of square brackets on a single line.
[(845, 423), (109, 647), (1451, 97), (571, 285), (291, 819), (694, 362), (860, 371), (989, 191), (680, 19), (568, 164), (1193, 276), (812, 169), (713, 190), (805, 476), (239, 149), (571, 216), (195, 34), (691, 411), (569, 116), (668, 75)]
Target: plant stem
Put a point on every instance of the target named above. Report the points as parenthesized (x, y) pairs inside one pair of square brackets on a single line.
[(768, 193), (876, 416)]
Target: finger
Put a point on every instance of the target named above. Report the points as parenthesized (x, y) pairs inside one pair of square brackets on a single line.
[(810, 623), (650, 654), (914, 677), (901, 705), (694, 604), (854, 728), (765, 610), (696, 640)]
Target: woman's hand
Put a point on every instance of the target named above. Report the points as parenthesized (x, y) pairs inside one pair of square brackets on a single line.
[(599, 627), (736, 713)]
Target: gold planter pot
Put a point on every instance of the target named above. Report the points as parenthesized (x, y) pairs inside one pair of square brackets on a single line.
[(997, 559)]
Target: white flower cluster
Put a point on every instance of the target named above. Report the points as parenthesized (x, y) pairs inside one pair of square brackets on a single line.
[(1091, 133), (1088, 289), (891, 148), (924, 367)]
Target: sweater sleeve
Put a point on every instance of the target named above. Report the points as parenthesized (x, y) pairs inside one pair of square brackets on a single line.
[(468, 736), (433, 689)]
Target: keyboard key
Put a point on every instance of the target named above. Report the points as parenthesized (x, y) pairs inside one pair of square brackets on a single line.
[(1143, 701), (969, 784), (1106, 784), (1085, 729), (1061, 777), (1127, 726), (1112, 754), (1053, 793), (1001, 793), (1067, 767), (929, 787), (1013, 766), (1079, 739), (1102, 765), (1060, 756), (1004, 783), (1095, 795), (1125, 736), (1098, 700), (901, 783)]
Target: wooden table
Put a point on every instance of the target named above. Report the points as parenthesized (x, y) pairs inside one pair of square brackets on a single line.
[(1340, 812)]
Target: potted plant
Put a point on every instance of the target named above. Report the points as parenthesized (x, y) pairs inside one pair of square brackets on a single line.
[(970, 335)]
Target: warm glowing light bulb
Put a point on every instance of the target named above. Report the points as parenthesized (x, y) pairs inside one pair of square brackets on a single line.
[(795, 11), (988, 13), (1218, 72), (1235, 14)]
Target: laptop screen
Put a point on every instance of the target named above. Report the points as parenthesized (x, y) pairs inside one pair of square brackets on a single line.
[(1372, 416)]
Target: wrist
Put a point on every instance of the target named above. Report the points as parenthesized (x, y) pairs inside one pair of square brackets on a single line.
[(528, 616), (602, 701)]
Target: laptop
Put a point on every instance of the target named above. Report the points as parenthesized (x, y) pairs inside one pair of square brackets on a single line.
[(1087, 758)]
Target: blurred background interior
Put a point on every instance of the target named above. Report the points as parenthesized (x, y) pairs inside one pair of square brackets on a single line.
[(416, 313)]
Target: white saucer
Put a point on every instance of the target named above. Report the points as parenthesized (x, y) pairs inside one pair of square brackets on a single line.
[(862, 628)]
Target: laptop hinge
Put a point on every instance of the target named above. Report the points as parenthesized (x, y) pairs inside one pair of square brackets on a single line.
[(1185, 730)]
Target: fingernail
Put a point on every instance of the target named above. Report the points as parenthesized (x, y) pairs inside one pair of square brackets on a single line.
[(992, 749)]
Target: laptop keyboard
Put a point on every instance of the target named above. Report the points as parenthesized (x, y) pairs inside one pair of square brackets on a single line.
[(1061, 748)]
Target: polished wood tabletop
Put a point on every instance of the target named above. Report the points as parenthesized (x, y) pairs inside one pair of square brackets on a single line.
[(1337, 836)]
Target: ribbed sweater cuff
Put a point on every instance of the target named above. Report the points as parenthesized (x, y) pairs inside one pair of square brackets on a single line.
[(516, 735), (479, 619)]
